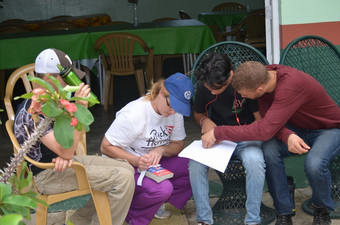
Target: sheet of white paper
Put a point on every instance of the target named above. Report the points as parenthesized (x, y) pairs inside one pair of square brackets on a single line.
[(216, 157)]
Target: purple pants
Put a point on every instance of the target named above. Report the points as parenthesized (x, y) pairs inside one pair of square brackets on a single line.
[(151, 195)]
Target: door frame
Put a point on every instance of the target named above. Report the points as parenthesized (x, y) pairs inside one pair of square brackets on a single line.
[(272, 31)]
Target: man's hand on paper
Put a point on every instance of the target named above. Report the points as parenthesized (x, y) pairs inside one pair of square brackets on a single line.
[(208, 139), (216, 157)]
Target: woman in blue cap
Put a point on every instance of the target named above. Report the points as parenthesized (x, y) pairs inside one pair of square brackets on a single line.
[(150, 131)]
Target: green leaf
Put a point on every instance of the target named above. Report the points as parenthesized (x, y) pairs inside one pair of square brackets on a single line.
[(24, 211), (58, 85), (63, 131), (23, 170), (26, 95), (68, 95), (31, 194), (79, 98), (4, 210), (5, 190), (83, 115), (41, 82), (89, 99), (79, 126), (45, 96), (69, 88), (37, 200), (14, 181), (20, 200), (11, 219), (51, 109), (87, 128), (25, 185)]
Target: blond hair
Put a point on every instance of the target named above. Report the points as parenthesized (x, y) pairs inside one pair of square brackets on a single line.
[(155, 89)]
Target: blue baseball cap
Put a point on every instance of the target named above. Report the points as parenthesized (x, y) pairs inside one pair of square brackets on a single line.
[(181, 90)]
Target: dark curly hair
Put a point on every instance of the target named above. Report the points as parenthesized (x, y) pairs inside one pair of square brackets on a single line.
[(214, 69)]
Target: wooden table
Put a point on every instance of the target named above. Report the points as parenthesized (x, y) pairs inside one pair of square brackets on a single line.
[(79, 21), (222, 19), (170, 37)]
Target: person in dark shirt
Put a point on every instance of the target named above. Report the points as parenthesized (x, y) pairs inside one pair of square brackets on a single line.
[(217, 103), (298, 117)]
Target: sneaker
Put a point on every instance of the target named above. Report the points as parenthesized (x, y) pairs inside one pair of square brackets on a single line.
[(162, 213), (321, 216), (284, 220), (203, 223)]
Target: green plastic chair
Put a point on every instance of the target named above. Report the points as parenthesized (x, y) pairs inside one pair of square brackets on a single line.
[(321, 59), (230, 207), (238, 52)]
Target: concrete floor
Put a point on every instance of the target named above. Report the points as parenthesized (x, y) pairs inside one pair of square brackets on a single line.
[(188, 215), (301, 217), (193, 133), (94, 137)]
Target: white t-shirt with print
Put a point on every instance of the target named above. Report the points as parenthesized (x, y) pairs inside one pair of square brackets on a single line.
[(138, 128)]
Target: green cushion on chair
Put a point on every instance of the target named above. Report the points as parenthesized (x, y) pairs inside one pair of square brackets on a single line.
[(68, 204)]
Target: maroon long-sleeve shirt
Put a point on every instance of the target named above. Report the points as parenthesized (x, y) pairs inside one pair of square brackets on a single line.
[(297, 99)]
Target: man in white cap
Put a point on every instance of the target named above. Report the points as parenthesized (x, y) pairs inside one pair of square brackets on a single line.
[(109, 175)]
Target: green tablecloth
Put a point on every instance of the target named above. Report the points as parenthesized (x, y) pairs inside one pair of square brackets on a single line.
[(221, 19), (170, 37)]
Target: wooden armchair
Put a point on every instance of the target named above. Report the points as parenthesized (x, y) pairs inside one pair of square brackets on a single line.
[(61, 17), (229, 6), (6, 29), (251, 30), (19, 74), (58, 25), (13, 22), (184, 15), (162, 19), (118, 22), (117, 55), (99, 198)]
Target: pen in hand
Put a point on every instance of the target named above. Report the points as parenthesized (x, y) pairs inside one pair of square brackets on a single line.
[(144, 161)]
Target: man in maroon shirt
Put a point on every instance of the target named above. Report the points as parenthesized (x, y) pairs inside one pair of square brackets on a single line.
[(298, 117)]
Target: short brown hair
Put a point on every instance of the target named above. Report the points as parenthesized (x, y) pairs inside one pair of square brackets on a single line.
[(250, 75)]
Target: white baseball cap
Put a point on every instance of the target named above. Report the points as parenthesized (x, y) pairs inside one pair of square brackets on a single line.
[(47, 62)]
